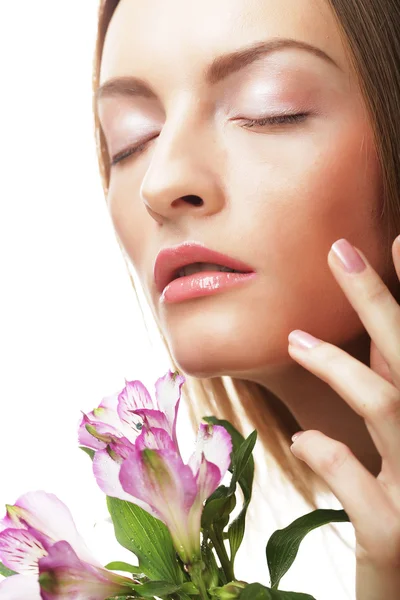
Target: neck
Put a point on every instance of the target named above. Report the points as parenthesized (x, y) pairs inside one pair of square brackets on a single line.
[(315, 405)]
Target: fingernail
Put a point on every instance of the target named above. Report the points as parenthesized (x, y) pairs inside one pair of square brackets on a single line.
[(348, 257), (296, 435), (303, 340)]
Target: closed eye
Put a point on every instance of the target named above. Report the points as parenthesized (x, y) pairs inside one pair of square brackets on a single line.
[(276, 120), (249, 123), (129, 151)]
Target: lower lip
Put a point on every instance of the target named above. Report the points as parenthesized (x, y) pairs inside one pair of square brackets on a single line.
[(202, 284)]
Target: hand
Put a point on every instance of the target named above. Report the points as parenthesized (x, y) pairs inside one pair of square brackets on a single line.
[(373, 504)]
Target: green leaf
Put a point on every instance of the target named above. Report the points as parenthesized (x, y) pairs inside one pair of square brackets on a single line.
[(154, 588), (88, 451), (256, 591), (6, 572), (218, 508), (189, 588), (123, 566), (283, 544), (148, 538), (242, 456), (236, 531), (244, 473), (242, 469)]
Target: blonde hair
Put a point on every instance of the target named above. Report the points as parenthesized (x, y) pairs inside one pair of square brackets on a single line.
[(371, 29)]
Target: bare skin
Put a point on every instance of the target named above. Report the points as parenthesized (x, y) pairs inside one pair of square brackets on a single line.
[(276, 196)]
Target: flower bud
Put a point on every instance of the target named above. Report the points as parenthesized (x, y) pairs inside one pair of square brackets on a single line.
[(231, 591)]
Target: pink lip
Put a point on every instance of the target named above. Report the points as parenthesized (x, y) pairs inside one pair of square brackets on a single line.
[(205, 283), (171, 260)]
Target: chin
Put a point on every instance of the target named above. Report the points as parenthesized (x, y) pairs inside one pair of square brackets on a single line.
[(204, 357), (219, 338)]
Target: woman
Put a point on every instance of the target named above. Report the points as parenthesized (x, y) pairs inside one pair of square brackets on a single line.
[(264, 138)]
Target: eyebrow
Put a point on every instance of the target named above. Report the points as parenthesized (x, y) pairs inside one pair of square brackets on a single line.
[(220, 68)]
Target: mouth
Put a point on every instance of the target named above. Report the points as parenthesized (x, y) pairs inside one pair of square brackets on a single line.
[(192, 258), (200, 268)]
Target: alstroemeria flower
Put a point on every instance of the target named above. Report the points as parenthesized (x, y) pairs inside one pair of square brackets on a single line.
[(46, 514), (126, 418), (63, 576), (126, 413), (153, 475), (137, 458), (31, 533)]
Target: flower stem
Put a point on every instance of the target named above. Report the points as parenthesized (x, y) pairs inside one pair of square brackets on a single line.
[(222, 555), (195, 571), (202, 589)]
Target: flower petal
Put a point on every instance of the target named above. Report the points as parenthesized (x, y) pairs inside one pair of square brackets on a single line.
[(208, 479), (168, 395), (106, 471), (106, 414), (102, 432), (20, 550), (20, 587), (103, 419), (154, 418), (110, 404), (155, 439), (216, 444), (162, 480), (134, 396), (87, 439), (51, 517), (64, 576)]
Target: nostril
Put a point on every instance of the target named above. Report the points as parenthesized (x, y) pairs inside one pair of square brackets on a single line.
[(194, 200)]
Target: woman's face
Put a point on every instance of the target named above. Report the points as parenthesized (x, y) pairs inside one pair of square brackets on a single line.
[(275, 196)]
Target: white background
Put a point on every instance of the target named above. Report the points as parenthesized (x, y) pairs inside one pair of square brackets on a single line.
[(70, 329)]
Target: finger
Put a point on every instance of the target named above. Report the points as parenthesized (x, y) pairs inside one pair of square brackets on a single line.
[(379, 364), (359, 492), (368, 394), (371, 299)]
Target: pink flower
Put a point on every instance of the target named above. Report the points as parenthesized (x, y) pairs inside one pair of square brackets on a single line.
[(130, 416), (157, 479), (137, 458), (64, 576), (126, 413), (38, 536)]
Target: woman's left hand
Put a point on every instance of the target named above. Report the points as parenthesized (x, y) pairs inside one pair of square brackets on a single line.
[(372, 504)]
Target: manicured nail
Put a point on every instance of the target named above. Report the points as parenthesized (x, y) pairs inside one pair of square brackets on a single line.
[(296, 435), (303, 340), (348, 257)]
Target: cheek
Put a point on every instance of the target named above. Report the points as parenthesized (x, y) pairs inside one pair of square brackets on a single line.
[(296, 206), (311, 191), (343, 181), (340, 192)]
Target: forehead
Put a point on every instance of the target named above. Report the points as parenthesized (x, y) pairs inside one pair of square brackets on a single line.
[(160, 39)]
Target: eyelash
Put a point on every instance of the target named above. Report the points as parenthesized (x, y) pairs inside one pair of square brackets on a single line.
[(277, 120)]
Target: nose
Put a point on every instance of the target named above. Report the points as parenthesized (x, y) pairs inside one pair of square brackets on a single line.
[(183, 178)]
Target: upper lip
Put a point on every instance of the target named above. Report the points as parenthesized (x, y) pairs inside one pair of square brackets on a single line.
[(170, 260)]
